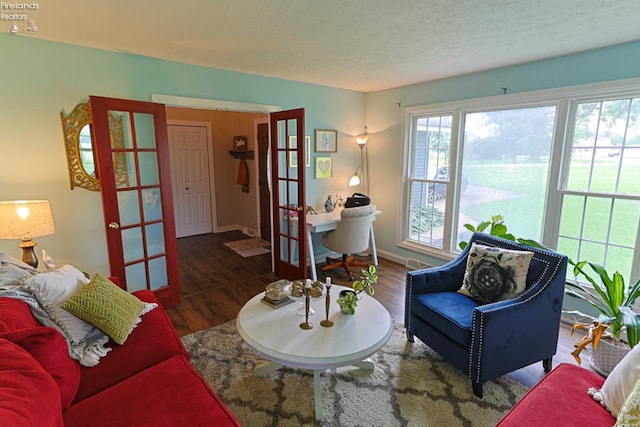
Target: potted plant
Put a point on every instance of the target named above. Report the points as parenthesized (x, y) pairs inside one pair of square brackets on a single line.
[(496, 228), (614, 300), (348, 299)]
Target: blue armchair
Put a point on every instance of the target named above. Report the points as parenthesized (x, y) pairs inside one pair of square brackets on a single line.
[(487, 341)]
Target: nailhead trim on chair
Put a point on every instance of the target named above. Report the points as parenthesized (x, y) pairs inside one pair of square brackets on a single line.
[(410, 298), (473, 337)]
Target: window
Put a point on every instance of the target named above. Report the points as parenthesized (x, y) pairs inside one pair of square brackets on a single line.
[(429, 179), (505, 166), (562, 166), (601, 195)]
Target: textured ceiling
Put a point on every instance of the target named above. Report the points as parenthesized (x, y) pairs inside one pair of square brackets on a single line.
[(364, 45)]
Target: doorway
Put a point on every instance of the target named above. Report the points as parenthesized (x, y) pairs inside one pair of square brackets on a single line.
[(198, 109)]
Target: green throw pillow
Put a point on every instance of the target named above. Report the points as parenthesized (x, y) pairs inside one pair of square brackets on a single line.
[(107, 307), (629, 414)]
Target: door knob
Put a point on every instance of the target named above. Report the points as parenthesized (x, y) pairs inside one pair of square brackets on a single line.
[(114, 225), (299, 208)]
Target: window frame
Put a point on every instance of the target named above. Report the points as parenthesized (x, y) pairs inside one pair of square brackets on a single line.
[(565, 101)]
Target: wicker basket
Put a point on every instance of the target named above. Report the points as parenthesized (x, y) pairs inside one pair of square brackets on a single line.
[(607, 356)]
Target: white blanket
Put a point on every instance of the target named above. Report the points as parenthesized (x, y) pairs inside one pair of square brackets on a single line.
[(12, 273)]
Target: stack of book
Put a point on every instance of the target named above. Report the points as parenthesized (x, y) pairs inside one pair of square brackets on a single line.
[(275, 296), (276, 303)]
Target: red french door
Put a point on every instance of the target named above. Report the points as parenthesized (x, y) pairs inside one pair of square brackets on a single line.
[(136, 195), (288, 194)]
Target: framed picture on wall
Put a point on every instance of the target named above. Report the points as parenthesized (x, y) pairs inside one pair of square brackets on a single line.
[(326, 141), (293, 156), (324, 167), (240, 143)]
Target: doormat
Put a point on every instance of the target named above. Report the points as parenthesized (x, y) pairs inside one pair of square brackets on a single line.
[(249, 247)]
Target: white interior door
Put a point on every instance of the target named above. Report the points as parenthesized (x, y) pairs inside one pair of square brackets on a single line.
[(191, 179)]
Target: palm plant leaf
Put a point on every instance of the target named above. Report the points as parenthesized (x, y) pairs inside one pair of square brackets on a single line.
[(634, 293), (588, 300), (606, 281), (632, 322), (619, 289)]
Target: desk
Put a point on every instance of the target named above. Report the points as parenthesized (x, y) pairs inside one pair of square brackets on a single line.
[(326, 221)]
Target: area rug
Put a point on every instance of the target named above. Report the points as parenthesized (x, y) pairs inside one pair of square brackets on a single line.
[(249, 247), (410, 386)]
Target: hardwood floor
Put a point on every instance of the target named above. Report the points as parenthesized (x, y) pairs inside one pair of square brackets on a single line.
[(216, 282)]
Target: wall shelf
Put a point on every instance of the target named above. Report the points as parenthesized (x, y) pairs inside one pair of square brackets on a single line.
[(242, 154)]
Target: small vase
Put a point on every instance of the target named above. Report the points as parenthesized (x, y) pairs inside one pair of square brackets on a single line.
[(329, 204)]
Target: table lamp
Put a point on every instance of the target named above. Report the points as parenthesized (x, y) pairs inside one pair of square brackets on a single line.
[(25, 219)]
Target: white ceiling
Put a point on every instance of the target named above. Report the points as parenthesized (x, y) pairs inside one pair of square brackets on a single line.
[(363, 45)]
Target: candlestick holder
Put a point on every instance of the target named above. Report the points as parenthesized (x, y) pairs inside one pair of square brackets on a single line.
[(327, 301), (307, 305)]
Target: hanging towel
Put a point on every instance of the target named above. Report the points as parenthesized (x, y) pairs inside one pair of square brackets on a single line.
[(243, 176)]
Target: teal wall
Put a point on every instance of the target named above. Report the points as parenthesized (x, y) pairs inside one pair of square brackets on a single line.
[(384, 116), (39, 79)]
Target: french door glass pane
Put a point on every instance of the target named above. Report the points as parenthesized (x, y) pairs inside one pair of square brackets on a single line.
[(152, 204), (148, 167), (145, 132), (129, 207), (158, 273), (136, 277), (505, 165), (124, 169), (127, 132), (132, 246), (155, 239)]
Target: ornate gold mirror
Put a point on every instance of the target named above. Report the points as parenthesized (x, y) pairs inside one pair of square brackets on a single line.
[(81, 150)]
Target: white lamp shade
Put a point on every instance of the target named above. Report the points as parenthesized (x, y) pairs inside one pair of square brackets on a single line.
[(355, 180), (362, 140), (25, 219)]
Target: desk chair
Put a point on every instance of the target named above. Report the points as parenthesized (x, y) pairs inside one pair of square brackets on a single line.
[(351, 236)]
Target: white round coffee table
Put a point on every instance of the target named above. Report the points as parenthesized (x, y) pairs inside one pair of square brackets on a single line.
[(275, 334)]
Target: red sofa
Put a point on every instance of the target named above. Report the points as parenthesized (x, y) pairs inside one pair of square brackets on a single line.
[(561, 399), (148, 381)]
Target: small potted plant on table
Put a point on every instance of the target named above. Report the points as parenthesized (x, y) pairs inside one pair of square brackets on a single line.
[(348, 299)]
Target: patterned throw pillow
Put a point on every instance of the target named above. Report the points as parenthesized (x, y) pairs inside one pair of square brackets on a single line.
[(495, 274), (107, 307)]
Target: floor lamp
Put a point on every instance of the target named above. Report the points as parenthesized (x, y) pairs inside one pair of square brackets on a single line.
[(26, 219), (362, 144)]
